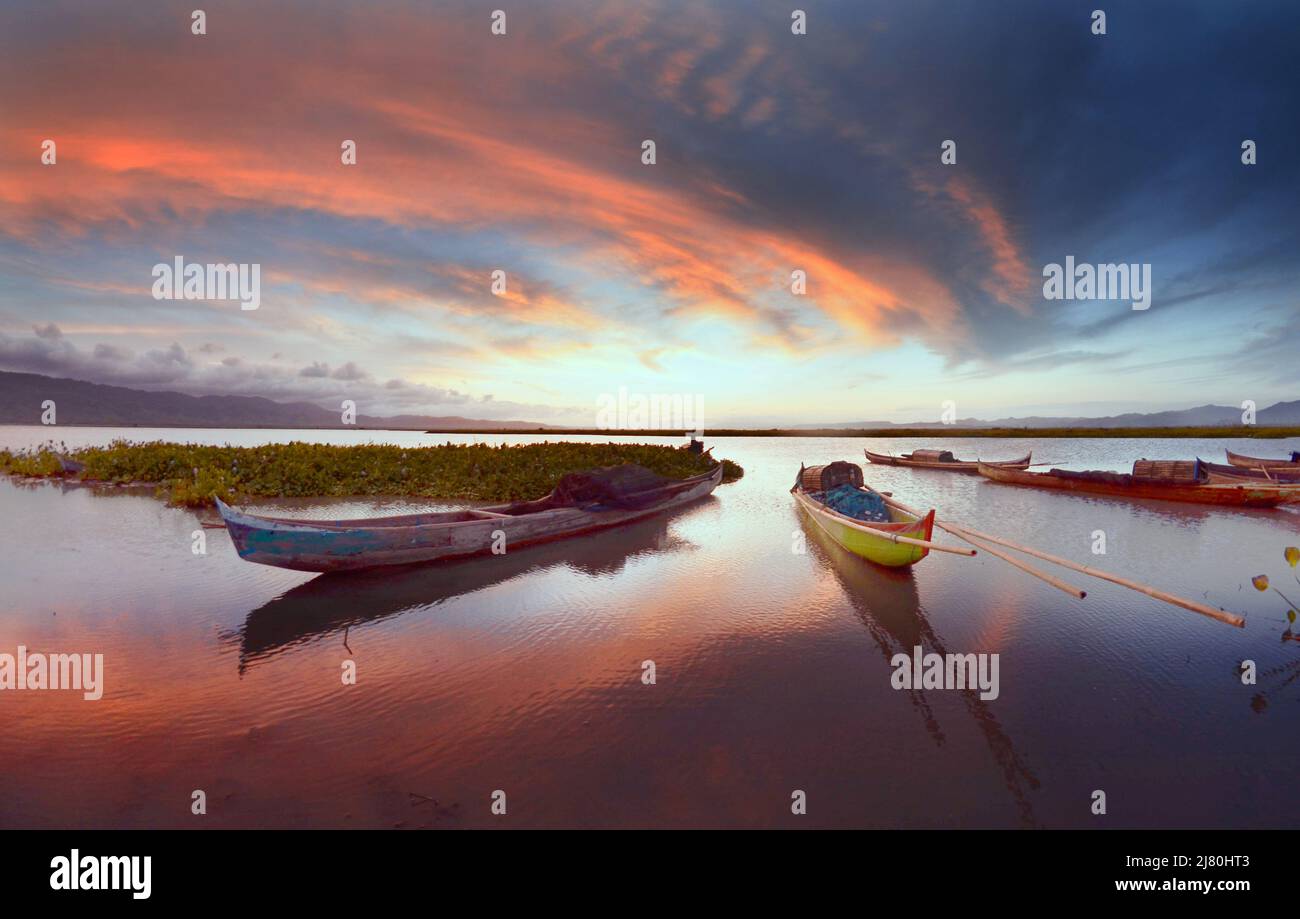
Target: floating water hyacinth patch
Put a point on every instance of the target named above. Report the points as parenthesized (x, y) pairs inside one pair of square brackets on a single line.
[(193, 475)]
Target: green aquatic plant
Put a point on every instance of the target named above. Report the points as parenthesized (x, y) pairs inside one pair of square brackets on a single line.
[(194, 475), (1263, 584), (41, 462)]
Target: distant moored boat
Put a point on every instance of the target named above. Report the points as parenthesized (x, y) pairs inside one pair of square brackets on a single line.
[(1172, 480), (942, 459), (1255, 462), (1224, 474)]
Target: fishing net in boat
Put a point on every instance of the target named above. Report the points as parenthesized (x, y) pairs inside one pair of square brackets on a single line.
[(856, 503), (1167, 472), (628, 486)]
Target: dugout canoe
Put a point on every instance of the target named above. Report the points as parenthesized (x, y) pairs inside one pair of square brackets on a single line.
[(1143, 486), (865, 538), (1256, 462), (1222, 473), (942, 459), (581, 503)]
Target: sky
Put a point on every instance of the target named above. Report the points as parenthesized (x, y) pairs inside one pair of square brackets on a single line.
[(775, 152)]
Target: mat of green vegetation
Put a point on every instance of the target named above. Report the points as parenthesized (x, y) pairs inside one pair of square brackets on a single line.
[(193, 475)]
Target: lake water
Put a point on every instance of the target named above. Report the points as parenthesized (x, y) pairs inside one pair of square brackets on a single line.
[(523, 673)]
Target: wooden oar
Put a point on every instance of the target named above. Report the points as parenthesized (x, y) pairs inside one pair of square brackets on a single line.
[(1056, 582), (1221, 615), (1052, 579), (924, 543), (958, 531), (895, 537)]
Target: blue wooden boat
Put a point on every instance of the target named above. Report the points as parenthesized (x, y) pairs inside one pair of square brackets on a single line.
[(581, 503)]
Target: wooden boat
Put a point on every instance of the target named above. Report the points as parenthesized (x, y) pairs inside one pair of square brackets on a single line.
[(1255, 462), (1220, 473), (581, 503), (941, 459), (332, 603), (1157, 480), (869, 539)]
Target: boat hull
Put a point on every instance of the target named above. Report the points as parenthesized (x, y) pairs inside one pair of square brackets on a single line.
[(1227, 495), (1255, 462), (1225, 474), (350, 545), (1290, 491), (882, 459), (852, 534)]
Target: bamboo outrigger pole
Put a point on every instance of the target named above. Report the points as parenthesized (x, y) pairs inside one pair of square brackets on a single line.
[(924, 543), (1204, 610), (1221, 615), (1056, 582)]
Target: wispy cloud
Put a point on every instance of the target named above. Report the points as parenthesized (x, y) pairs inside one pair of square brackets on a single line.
[(521, 153)]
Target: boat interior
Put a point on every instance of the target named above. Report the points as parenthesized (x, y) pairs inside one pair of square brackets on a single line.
[(620, 485), (1166, 472), (839, 487)]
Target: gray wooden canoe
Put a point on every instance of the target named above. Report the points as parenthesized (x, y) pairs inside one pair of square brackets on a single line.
[(942, 459), (1220, 472), (341, 545), (1260, 462)]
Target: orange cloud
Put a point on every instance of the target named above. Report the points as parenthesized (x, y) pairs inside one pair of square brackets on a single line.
[(1010, 279), (433, 153)]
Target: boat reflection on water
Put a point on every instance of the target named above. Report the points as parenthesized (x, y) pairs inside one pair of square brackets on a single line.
[(331, 603), (887, 602)]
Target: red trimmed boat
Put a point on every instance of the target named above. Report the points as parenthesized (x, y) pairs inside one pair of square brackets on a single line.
[(1151, 479), (858, 517), (942, 459)]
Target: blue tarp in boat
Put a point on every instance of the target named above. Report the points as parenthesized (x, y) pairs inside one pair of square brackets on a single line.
[(855, 503)]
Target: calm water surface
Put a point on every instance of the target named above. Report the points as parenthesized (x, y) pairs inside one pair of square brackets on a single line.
[(523, 672)]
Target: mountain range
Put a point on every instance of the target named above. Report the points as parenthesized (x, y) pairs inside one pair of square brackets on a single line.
[(79, 402), (1281, 414), (83, 403)]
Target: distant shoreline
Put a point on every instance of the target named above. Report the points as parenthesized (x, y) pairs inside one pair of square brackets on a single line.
[(1260, 433), (1236, 431)]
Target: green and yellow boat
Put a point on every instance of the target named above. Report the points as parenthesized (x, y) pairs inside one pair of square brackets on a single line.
[(860, 518)]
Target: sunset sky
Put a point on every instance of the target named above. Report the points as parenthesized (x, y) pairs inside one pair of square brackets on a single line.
[(775, 152)]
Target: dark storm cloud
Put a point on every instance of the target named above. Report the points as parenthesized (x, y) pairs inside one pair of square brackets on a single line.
[(1123, 147)]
